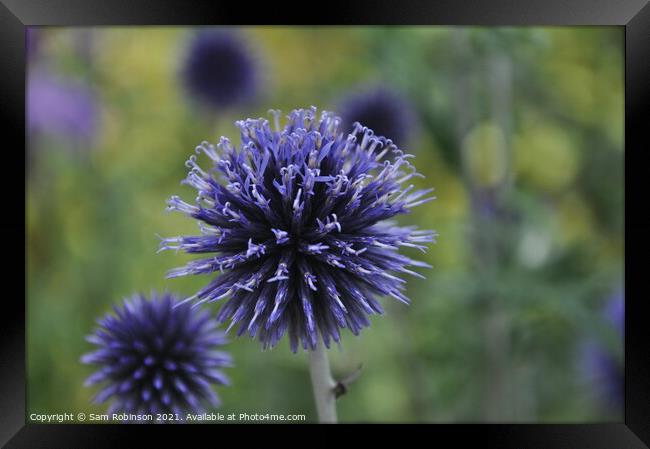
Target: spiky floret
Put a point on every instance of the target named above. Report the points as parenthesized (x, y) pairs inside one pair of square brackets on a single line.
[(156, 356), (299, 224)]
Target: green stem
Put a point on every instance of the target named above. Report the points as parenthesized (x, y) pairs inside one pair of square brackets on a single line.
[(323, 384)]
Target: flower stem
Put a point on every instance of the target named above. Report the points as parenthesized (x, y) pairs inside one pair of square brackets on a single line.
[(323, 384)]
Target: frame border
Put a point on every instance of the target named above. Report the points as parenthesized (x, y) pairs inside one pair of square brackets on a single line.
[(634, 15)]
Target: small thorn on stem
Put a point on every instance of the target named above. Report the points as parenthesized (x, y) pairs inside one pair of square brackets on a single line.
[(342, 385)]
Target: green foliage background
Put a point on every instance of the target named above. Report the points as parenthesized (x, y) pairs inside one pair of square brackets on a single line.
[(534, 115)]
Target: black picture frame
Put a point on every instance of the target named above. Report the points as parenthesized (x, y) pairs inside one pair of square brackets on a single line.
[(633, 15)]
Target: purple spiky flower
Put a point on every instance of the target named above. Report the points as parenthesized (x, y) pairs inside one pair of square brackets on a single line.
[(298, 222), (381, 109), (219, 70), (157, 356)]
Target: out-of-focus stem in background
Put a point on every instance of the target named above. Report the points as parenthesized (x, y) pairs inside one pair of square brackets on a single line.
[(487, 207)]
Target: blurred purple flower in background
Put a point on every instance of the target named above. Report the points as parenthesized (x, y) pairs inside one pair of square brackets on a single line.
[(156, 355), (219, 70), (381, 109), (601, 365), (32, 41), (61, 107)]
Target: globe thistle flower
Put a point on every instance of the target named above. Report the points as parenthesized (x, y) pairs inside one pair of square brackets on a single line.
[(157, 356), (381, 109), (219, 71), (299, 224), (600, 364)]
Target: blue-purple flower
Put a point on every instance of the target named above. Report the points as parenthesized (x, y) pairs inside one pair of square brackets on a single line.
[(603, 365), (295, 223), (32, 41), (156, 356), (381, 109), (219, 71), (60, 107)]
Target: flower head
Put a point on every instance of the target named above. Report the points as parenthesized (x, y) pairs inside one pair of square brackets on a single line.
[(57, 106), (219, 71), (601, 364), (156, 355), (32, 41), (298, 222), (381, 109), (615, 312)]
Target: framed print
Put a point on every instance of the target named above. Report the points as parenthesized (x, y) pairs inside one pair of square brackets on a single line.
[(413, 214)]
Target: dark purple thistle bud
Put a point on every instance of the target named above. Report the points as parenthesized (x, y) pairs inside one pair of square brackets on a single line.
[(157, 356), (381, 109), (219, 71), (295, 222)]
